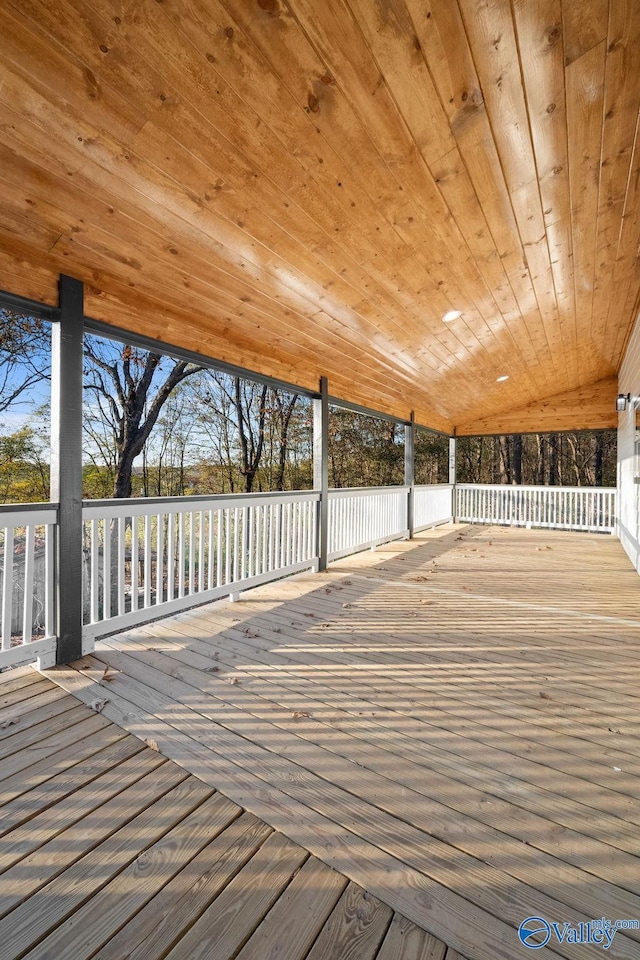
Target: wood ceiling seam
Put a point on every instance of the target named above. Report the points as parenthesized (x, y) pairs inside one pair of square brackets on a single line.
[(272, 250), (584, 132), (470, 20), (540, 85), (629, 231), (461, 45), (585, 25), (334, 71), (445, 361), (16, 184), (396, 398), (368, 39)]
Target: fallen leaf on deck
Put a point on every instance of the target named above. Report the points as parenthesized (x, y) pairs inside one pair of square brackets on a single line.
[(347, 583), (347, 606), (8, 723), (611, 730), (308, 615), (548, 548), (211, 669), (98, 705), (544, 695), (152, 744), (327, 590), (419, 579), (231, 680), (108, 676), (85, 666), (325, 624), (299, 714)]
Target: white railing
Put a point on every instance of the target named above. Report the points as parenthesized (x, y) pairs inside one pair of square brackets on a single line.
[(27, 568), (559, 508), (148, 558), (363, 517), (432, 504)]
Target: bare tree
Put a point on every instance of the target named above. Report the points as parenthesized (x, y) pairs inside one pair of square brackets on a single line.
[(130, 387), (284, 406), (25, 356)]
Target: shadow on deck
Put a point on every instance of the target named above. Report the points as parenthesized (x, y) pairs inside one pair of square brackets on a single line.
[(450, 723), (110, 850)]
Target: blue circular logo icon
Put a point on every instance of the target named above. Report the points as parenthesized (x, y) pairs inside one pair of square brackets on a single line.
[(531, 929)]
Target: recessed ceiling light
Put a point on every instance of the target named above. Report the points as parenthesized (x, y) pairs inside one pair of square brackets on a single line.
[(502, 379), (451, 315)]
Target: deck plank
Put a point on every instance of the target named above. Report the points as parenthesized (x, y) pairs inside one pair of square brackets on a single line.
[(91, 926), (66, 847), (451, 723), (177, 911), (22, 719), (523, 863), (24, 927), (240, 909), (105, 856), (24, 739), (190, 743), (298, 916), (54, 791), (356, 927), (21, 773), (405, 941)]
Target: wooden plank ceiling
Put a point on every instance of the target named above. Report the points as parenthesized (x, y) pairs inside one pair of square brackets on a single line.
[(307, 189)]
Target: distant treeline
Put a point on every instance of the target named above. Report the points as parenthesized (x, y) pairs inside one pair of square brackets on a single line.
[(158, 426), (584, 459)]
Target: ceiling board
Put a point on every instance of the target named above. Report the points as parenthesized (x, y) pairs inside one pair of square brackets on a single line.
[(306, 190)]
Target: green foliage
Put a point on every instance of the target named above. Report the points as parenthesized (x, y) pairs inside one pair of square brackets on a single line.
[(364, 451), (557, 459), (431, 457), (24, 471), (25, 357)]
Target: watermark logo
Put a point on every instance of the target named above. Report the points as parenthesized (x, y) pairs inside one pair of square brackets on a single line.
[(536, 932)]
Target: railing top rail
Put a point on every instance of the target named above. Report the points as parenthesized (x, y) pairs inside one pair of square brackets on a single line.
[(285, 495), (366, 491), (48, 506), (526, 486), (433, 486)]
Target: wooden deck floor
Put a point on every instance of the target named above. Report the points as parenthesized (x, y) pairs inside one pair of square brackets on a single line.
[(450, 723), (109, 850)]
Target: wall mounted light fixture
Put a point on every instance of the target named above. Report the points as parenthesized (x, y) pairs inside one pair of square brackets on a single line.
[(621, 401)]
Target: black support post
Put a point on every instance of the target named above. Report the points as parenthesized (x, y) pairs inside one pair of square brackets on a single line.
[(321, 468), (66, 465), (409, 469)]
